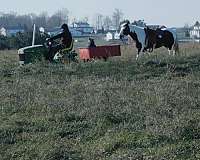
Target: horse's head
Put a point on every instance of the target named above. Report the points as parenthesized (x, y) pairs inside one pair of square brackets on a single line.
[(124, 29)]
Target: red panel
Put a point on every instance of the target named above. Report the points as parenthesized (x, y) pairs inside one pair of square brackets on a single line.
[(99, 52)]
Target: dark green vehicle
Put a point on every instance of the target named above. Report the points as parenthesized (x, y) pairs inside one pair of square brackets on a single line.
[(32, 54)]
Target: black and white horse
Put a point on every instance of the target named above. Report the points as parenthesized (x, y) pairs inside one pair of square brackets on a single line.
[(162, 37), (136, 33), (146, 38)]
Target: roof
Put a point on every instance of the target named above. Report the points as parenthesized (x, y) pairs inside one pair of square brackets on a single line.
[(197, 23), (55, 29), (81, 23), (111, 31), (14, 28)]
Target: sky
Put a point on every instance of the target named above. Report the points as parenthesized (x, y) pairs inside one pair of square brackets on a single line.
[(173, 13)]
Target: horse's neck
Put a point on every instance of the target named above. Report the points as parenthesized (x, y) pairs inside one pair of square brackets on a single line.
[(138, 32), (136, 29), (133, 36)]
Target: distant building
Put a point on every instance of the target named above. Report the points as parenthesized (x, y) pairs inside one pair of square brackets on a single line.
[(109, 36), (183, 33), (195, 31), (57, 30), (54, 31), (112, 35), (2, 31), (83, 27), (12, 31)]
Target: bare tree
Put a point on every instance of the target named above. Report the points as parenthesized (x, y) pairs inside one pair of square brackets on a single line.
[(107, 22), (116, 18), (62, 15), (98, 21), (41, 20), (58, 18), (187, 30), (85, 19)]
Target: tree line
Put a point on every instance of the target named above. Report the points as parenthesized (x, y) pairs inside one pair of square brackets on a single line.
[(26, 21), (21, 40), (9, 20)]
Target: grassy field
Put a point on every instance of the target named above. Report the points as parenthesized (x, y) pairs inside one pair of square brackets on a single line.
[(115, 110)]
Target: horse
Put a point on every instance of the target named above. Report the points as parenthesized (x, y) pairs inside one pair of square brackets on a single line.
[(136, 33), (162, 37), (147, 38)]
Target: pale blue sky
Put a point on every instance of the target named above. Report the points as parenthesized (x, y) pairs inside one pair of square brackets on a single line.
[(166, 12)]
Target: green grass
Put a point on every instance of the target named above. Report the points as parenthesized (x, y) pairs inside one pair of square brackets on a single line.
[(119, 109)]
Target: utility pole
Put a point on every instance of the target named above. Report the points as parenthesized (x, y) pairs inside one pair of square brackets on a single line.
[(33, 40)]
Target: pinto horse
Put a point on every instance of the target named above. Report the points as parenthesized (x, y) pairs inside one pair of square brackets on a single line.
[(147, 38), (136, 33), (162, 37)]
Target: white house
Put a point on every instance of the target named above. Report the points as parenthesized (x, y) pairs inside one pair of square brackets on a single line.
[(112, 35), (195, 30), (109, 36), (3, 31)]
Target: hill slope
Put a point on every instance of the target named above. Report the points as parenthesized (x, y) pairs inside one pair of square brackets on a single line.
[(120, 109)]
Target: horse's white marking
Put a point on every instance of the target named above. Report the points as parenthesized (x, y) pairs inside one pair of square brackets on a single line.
[(174, 52), (169, 51), (137, 56)]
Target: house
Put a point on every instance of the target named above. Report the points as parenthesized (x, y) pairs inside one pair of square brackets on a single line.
[(109, 36), (2, 31), (116, 35), (54, 31), (57, 30), (112, 35), (83, 27), (183, 33), (195, 31), (12, 31)]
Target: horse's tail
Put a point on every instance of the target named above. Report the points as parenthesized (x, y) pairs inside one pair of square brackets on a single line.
[(176, 46)]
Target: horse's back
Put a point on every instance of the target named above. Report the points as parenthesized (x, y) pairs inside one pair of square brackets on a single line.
[(173, 32)]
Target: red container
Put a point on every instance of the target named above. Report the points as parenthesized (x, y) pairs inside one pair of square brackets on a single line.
[(99, 52)]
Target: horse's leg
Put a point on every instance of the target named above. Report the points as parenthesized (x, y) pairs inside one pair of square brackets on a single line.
[(139, 50), (169, 51), (174, 52), (175, 48), (137, 56), (171, 48), (151, 48)]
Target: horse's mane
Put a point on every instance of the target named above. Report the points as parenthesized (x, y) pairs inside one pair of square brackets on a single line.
[(139, 31)]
